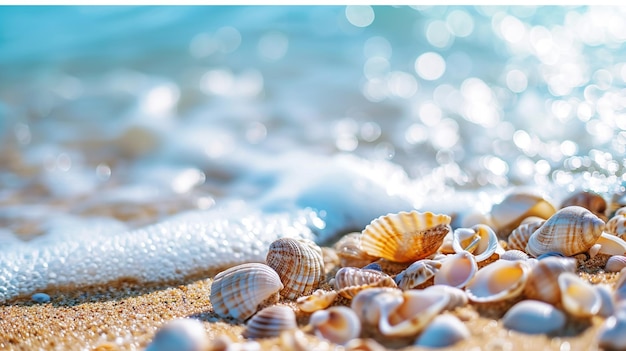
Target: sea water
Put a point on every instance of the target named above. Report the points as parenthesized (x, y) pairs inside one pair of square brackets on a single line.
[(158, 142)]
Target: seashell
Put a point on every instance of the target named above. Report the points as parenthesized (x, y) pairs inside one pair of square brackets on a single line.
[(612, 333), (184, 334), (368, 344), (543, 256), (417, 274), (319, 300), (444, 331), (457, 297), (299, 265), (579, 298), (349, 250), (617, 224), (514, 255), (291, 340), (606, 295), (589, 200), (615, 263), (456, 270), (534, 317), (611, 245), (417, 309), (405, 236), (350, 280), (542, 283), (480, 240), (446, 245), (238, 291), (570, 231), (515, 207), (338, 324), (520, 235), (270, 322), (371, 304), (501, 280)]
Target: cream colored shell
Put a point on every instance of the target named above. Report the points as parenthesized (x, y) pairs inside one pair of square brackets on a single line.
[(534, 317), (520, 235), (338, 324), (319, 300), (515, 207), (350, 280), (405, 236), (456, 270), (615, 263), (417, 274), (350, 253), (609, 244), (592, 201), (498, 281), (542, 283), (617, 225), (479, 240), (578, 297), (270, 322), (299, 265)]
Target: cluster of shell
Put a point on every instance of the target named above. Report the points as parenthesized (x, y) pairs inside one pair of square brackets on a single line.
[(406, 272)]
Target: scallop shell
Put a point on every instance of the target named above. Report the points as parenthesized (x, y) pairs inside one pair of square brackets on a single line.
[(457, 297), (520, 235), (350, 280), (349, 250), (417, 309), (299, 265), (612, 333), (444, 331), (570, 231), (499, 281), (534, 317), (185, 334), (514, 255), (405, 236), (616, 225), (515, 207), (589, 200), (611, 245), (615, 263), (542, 283), (456, 270), (417, 274), (319, 300), (270, 322), (338, 324), (238, 291), (480, 240), (579, 298)]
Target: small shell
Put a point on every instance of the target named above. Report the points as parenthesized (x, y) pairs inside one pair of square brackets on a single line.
[(514, 255), (338, 324), (457, 270), (457, 297), (417, 309), (615, 263), (542, 283), (534, 317), (270, 322), (349, 250), (515, 207), (238, 291), (589, 200), (606, 294), (350, 280), (299, 265), (612, 333), (611, 245), (417, 274), (444, 331), (480, 240), (579, 298), (373, 303), (520, 235), (184, 334), (319, 300), (498, 281), (405, 236), (616, 225), (570, 231)]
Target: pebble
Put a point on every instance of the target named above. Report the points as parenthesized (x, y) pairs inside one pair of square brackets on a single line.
[(40, 297)]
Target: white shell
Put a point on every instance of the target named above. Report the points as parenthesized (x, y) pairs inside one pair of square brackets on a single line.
[(617, 224), (579, 298), (542, 283), (514, 255), (338, 324), (457, 297), (480, 240), (444, 330), (319, 300), (516, 206), (498, 281), (299, 265), (606, 294), (612, 333), (270, 322), (371, 304), (456, 270), (417, 309), (615, 263), (534, 317), (184, 334), (238, 291), (611, 245), (350, 253), (417, 273)]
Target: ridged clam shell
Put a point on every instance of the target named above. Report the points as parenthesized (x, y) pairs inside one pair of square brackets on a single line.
[(616, 225), (319, 300), (405, 236), (299, 265), (589, 200), (579, 298), (498, 281), (534, 317), (615, 263), (238, 291), (457, 297), (270, 322), (542, 283), (611, 245), (349, 250), (570, 231), (479, 240), (612, 333), (417, 309), (456, 270), (350, 280), (520, 235), (338, 324), (417, 274), (515, 207), (514, 255), (186, 333), (444, 330)]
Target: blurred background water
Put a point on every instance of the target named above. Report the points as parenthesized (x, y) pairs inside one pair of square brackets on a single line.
[(136, 113)]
